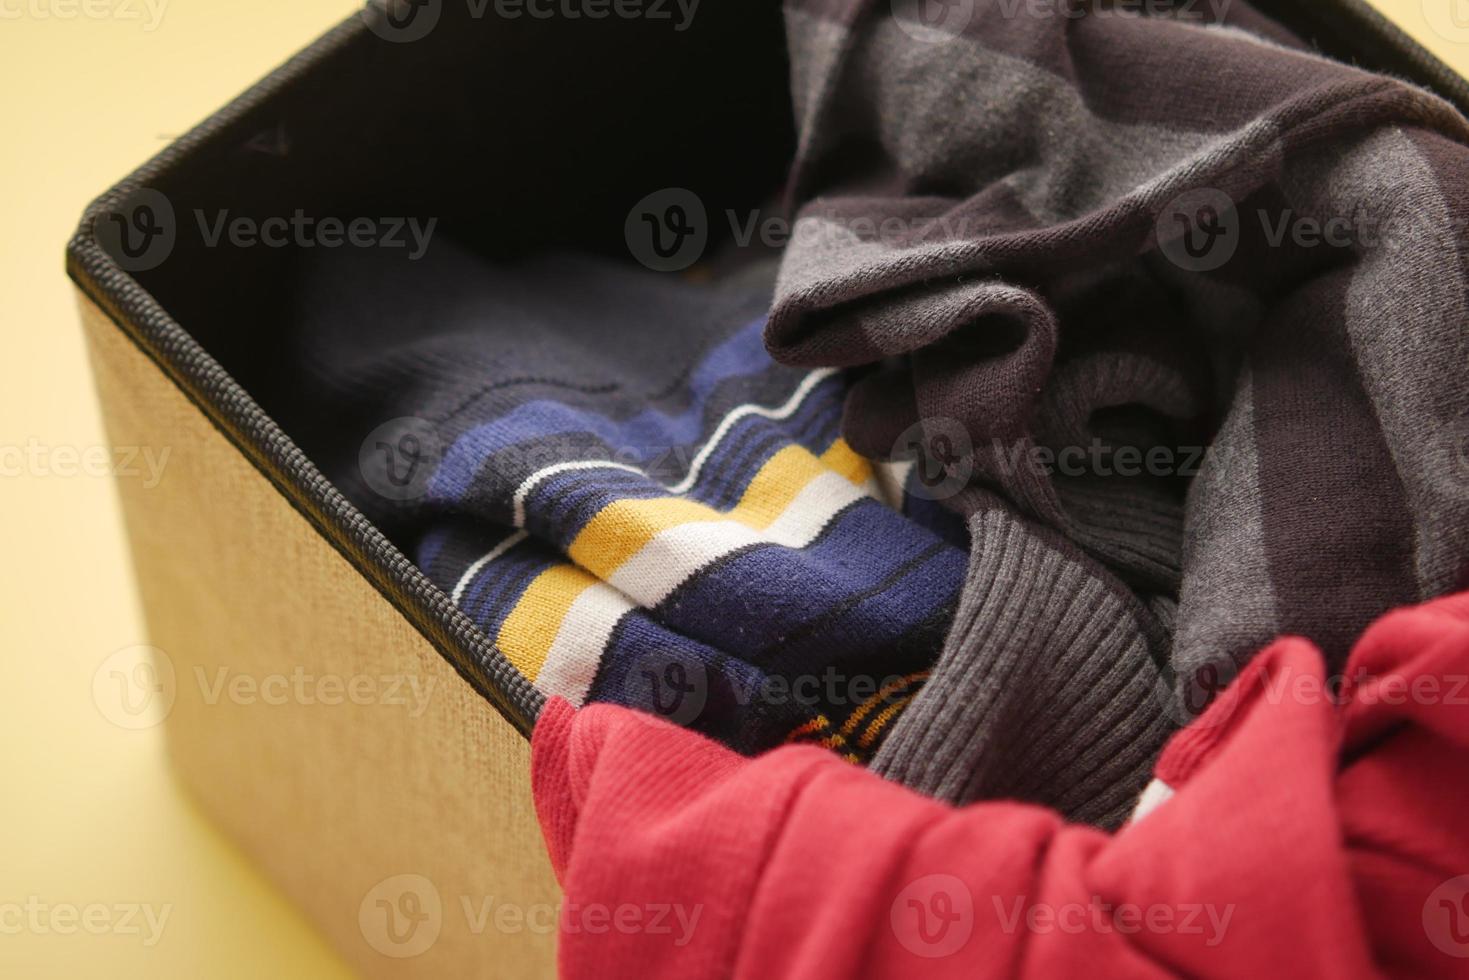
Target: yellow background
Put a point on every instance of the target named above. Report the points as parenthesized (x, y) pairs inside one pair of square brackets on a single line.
[(89, 813)]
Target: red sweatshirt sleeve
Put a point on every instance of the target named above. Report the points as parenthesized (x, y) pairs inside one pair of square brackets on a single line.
[(1304, 837)]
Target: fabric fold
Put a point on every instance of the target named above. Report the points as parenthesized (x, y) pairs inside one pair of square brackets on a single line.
[(1308, 823), (1047, 689), (1166, 284)]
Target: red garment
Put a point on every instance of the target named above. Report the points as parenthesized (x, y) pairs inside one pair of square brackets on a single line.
[(1305, 838)]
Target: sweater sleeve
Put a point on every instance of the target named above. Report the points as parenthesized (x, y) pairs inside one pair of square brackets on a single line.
[(680, 858)]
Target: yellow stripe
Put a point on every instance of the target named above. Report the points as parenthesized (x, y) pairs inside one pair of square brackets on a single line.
[(528, 632), (881, 720), (844, 459), (779, 481), (624, 527), (855, 719), (814, 725), (835, 741)]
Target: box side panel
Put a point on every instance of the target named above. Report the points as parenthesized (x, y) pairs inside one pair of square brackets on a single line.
[(313, 721)]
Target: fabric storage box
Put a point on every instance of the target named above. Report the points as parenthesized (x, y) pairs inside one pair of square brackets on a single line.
[(326, 703)]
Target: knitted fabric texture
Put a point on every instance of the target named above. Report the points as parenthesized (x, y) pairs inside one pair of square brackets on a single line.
[(1069, 250), (608, 473), (1310, 824)]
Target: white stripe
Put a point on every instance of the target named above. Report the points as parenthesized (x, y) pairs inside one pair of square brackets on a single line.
[(473, 570), (893, 478), (1155, 795), (530, 484), (744, 411), (571, 662), (667, 560), (673, 555), (726, 424), (812, 509)]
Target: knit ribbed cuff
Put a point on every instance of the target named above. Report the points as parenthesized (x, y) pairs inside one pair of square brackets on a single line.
[(1045, 691)]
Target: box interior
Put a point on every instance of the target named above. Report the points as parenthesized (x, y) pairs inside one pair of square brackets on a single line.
[(517, 136)]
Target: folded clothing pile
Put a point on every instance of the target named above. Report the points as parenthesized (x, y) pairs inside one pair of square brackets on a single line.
[(1095, 240), (618, 484), (1049, 303)]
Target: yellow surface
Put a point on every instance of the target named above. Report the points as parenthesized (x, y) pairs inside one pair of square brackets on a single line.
[(89, 812), (89, 815)]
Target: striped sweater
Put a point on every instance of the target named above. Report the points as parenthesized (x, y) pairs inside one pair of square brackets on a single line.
[(653, 514)]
